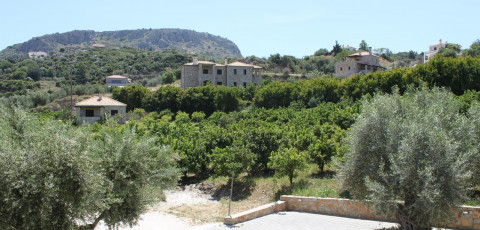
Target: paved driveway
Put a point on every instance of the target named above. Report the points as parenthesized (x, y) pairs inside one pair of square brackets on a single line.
[(299, 220)]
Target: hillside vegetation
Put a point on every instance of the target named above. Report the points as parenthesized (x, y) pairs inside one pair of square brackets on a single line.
[(188, 41)]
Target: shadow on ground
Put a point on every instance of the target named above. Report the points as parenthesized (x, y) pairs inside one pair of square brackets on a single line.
[(328, 174), (241, 190)]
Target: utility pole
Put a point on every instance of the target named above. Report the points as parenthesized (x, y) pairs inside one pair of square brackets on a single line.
[(231, 193), (71, 84)]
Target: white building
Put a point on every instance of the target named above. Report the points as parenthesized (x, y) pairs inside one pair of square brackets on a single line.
[(433, 50), (38, 54), (349, 48), (95, 108), (117, 80)]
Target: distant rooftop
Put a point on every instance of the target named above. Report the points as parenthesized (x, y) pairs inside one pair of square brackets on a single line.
[(237, 63), (363, 53), (116, 76), (97, 101)]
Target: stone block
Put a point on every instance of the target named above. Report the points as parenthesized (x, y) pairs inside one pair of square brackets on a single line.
[(466, 223), (476, 226), (475, 215)]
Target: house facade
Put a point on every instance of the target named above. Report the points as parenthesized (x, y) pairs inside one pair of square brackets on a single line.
[(117, 80), (349, 48), (38, 54), (433, 50), (198, 73), (96, 108), (360, 62)]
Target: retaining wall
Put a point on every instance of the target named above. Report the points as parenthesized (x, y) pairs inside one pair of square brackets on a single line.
[(467, 218), (256, 212)]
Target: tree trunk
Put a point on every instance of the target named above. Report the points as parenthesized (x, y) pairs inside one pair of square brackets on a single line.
[(94, 224), (407, 221), (322, 165)]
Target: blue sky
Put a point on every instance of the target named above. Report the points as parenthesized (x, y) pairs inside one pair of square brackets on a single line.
[(259, 28)]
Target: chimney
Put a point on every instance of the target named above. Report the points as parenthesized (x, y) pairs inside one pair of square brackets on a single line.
[(195, 60), (99, 97), (440, 41), (359, 51), (226, 61), (370, 50)]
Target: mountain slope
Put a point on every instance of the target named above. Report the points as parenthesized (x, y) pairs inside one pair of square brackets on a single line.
[(189, 41)]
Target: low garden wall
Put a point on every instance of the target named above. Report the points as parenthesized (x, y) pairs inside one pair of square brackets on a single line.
[(256, 212), (467, 218)]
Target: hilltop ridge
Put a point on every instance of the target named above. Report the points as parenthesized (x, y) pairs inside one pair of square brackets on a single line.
[(188, 41)]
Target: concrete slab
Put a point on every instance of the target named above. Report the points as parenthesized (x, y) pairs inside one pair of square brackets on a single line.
[(300, 220)]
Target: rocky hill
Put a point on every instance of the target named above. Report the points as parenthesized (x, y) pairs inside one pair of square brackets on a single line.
[(189, 41)]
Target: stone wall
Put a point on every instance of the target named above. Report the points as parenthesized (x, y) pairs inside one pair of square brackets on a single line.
[(240, 77), (467, 218), (192, 76), (256, 212)]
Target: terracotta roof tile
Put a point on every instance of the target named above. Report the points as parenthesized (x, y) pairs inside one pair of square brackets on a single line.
[(202, 62), (96, 101), (237, 63)]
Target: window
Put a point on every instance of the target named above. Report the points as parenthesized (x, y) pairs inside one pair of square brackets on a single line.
[(435, 48), (341, 69), (234, 83), (219, 83), (219, 72), (113, 112), (244, 72), (89, 113), (116, 81), (349, 68), (245, 85), (205, 71), (235, 71)]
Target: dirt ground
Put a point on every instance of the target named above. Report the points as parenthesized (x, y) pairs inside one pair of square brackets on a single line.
[(204, 203), (199, 205)]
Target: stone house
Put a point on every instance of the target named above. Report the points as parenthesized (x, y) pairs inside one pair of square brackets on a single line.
[(360, 62), (433, 50), (198, 73), (95, 108), (117, 80)]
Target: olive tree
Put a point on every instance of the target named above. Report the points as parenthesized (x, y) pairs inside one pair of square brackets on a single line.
[(57, 176), (46, 174), (417, 148), (130, 166)]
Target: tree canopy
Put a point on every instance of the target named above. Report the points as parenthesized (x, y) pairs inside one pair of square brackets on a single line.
[(418, 148)]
